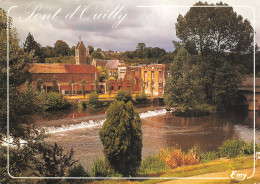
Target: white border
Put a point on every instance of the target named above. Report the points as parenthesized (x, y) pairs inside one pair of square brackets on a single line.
[(128, 178)]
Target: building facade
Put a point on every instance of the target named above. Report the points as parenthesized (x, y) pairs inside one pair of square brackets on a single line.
[(81, 53)]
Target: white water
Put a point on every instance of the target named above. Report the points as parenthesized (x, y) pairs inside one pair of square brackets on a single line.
[(91, 123)]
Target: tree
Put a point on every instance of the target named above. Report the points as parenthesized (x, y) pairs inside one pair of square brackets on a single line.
[(183, 89), (215, 30), (140, 48), (122, 95), (70, 88), (61, 48), (83, 85), (91, 49), (96, 86), (219, 34), (77, 171), (93, 99), (22, 104), (109, 87), (72, 51), (39, 84), (97, 55), (30, 45), (54, 84), (121, 136), (132, 85), (52, 161)]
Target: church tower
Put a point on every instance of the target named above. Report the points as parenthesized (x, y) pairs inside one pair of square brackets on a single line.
[(81, 53)]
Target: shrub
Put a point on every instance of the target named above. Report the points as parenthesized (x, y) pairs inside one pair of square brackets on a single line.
[(77, 171), (167, 108), (54, 101), (232, 148), (122, 95), (199, 110), (153, 164), (100, 168), (121, 136), (141, 98), (175, 157), (93, 100), (208, 156), (84, 104)]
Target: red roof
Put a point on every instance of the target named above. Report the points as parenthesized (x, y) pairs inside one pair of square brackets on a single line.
[(62, 68)]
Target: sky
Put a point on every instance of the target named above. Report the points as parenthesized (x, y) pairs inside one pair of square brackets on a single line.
[(117, 25)]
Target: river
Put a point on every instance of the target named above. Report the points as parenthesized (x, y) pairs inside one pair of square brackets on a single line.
[(80, 130)]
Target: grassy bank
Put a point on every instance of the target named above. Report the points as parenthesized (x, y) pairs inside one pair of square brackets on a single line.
[(218, 165)]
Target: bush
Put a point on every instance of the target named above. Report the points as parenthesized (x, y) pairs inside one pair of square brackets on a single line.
[(199, 110), (208, 156), (141, 98), (232, 148), (77, 171), (167, 108), (153, 164), (122, 95), (121, 136), (175, 157), (93, 100), (54, 101), (84, 104), (100, 168)]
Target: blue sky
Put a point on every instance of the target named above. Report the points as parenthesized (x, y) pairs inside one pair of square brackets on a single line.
[(106, 24)]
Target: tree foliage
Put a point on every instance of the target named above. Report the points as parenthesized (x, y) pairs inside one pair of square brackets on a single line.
[(122, 95), (222, 37), (61, 48), (31, 46), (183, 88), (121, 136)]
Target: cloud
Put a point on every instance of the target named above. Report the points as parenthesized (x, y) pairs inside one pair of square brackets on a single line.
[(153, 26)]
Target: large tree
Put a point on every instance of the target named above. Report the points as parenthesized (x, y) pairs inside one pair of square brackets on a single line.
[(121, 136), (61, 48), (22, 104), (184, 88), (215, 30), (221, 36), (30, 45)]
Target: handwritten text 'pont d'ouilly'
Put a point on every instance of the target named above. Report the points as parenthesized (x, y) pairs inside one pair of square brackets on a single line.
[(84, 13)]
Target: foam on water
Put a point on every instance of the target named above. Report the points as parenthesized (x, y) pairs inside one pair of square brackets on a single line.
[(91, 123)]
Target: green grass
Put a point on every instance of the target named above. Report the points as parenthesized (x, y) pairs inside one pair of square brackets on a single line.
[(153, 164), (188, 171)]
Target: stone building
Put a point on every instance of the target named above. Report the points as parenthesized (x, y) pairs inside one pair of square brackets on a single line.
[(154, 79), (65, 74), (81, 53)]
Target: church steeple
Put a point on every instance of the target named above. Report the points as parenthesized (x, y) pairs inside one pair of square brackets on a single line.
[(81, 53)]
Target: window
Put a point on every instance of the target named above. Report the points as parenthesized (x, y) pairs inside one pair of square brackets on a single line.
[(145, 75), (152, 75), (160, 74)]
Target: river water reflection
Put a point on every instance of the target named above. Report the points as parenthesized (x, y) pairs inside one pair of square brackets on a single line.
[(160, 129)]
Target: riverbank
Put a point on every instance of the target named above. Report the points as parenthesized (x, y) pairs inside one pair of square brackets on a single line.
[(198, 173)]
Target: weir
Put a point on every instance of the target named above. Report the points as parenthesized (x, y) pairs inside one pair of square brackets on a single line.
[(91, 123)]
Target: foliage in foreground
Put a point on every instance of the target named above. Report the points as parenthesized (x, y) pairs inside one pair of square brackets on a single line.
[(93, 100), (198, 110), (77, 171), (234, 148), (121, 136), (153, 164), (175, 157), (55, 101), (122, 95)]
